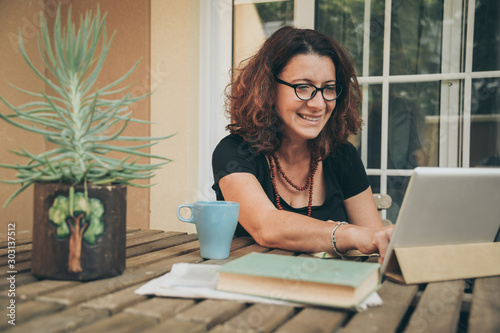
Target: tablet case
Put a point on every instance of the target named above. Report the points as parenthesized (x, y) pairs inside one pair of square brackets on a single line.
[(412, 265)]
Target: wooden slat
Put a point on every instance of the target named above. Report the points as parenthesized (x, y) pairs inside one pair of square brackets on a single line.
[(160, 308), (65, 321), (227, 329), (119, 323), (32, 309), (314, 320), (386, 318), (160, 244), (180, 250), (32, 290), (21, 280), (258, 318), (102, 287), (238, 243), (211, 312), (439, 308), (20, 257), (19, 268), (19, 241), (117, 301), (19, 249), (485, 307), (149, 258), (4, 324), (141, 232), (149, 236), (177, 326)]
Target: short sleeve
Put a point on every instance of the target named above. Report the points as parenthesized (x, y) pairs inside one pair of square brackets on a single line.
[(232, 155), (355, 179), (346, 171)]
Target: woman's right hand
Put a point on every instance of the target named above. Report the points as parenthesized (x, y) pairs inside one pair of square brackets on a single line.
[(368, 240)]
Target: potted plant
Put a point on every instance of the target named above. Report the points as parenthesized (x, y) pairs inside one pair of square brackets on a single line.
[(80, 183)]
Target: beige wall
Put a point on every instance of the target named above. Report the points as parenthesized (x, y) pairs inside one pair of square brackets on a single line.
[(130, 19), (174, 107), (15, 15), (248, 33), (165, 35)]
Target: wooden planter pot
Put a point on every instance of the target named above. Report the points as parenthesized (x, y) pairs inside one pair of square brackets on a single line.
[(86, 242)]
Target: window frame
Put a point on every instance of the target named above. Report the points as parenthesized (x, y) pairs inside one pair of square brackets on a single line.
[(456, 81)]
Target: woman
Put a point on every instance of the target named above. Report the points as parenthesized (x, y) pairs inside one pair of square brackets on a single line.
[(287, 160)]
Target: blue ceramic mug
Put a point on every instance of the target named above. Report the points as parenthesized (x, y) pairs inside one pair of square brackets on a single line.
[(215, 224)]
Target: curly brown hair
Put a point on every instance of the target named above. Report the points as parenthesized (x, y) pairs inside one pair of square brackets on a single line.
[(251, 94)]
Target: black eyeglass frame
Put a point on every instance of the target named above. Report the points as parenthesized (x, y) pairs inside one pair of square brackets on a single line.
[(338, 88)]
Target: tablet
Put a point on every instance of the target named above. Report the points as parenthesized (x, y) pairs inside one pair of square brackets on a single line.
[(448, 206)]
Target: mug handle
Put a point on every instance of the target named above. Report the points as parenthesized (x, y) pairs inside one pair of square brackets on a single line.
[(191, 220)]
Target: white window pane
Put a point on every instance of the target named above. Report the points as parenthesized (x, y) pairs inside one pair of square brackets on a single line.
[(396, 188), (345, 21), (373, 124), (485, 123), (413, 136), (486, 36), (416, 32)]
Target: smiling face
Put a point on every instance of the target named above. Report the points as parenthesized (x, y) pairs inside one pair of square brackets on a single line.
[(304, 120)]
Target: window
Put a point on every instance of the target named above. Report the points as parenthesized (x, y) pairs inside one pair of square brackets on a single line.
[(430, 74), (430, 85)]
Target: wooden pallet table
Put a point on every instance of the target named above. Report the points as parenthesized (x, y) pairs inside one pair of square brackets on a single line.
[(110, 305)]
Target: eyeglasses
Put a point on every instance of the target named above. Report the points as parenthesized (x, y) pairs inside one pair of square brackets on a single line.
[(306, 91)]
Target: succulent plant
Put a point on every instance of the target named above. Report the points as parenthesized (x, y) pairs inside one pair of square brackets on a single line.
[(85, 122)]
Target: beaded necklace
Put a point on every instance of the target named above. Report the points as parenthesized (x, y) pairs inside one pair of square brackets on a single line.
[(313, 166)]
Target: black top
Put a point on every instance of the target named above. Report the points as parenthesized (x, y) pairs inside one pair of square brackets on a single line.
[(344, 174)]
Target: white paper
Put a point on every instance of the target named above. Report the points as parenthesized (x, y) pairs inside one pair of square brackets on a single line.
[(200, 281)]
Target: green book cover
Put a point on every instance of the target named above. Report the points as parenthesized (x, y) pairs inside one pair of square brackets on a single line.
[(338, 272)]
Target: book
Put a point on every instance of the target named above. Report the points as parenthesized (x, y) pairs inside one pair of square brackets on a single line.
[(334, 283)]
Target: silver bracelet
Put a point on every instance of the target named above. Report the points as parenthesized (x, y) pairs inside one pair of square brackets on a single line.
[(334, 240)]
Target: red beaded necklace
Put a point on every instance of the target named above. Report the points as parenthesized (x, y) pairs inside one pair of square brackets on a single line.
[(313, 166)]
